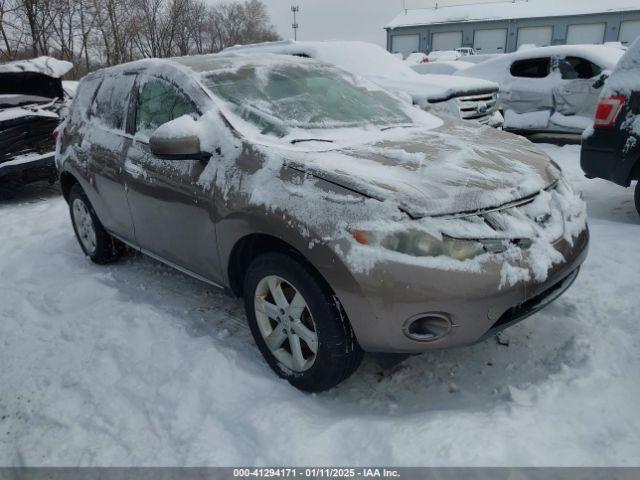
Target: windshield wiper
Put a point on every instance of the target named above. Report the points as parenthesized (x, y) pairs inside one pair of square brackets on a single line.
[(404, 125), (300, 140)]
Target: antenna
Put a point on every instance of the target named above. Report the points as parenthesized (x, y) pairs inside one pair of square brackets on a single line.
[(295, 9)]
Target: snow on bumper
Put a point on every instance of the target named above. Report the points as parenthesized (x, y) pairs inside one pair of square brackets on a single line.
[(472, 301), (30, 166)]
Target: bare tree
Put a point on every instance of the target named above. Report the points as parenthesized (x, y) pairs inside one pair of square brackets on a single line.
[(91, 33)]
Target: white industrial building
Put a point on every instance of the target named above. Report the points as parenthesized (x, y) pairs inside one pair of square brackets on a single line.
[(501, 27)]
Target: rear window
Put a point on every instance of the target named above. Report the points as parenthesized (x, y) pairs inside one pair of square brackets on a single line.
[(531, 68), (112, 100)]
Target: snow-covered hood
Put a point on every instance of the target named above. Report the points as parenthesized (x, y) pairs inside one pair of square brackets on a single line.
[(435, 88), (452, 169), (46, 65)]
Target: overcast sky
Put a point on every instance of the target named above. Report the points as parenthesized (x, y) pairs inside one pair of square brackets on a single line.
[(342, 19)]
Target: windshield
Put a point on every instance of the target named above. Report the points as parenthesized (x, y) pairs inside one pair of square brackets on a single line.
[(277, 98)]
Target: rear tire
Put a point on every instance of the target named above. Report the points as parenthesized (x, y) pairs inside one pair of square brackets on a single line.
[(637, 197), (94, 240), (301, 330)]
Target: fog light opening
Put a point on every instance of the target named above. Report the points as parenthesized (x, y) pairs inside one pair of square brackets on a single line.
[(427, 327)]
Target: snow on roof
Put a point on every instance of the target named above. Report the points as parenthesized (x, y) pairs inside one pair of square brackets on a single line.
[(506, 10), (46, 65)]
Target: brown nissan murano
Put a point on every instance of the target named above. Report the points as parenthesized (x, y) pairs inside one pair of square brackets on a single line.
[(348, 220)]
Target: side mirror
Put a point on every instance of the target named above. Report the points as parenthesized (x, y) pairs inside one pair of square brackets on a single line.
[(172, 141), (600, 81)]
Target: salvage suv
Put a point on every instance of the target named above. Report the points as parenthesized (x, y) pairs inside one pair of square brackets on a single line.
[(347, 219), (32, 98)]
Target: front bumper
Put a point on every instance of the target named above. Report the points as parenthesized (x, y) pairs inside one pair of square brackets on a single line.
[(390, 293), (29, 168)]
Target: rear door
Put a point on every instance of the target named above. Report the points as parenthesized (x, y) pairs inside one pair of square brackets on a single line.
[(575, 93), (172, 212), (530, 86), (105, 143)]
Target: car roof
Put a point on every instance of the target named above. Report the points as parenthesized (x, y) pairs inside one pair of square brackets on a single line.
[(194, 65)]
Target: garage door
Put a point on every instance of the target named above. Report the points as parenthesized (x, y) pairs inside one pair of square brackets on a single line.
[(405, 44), (587, 33), (539, 36), (490, 41), (629, 31), (446, 41)]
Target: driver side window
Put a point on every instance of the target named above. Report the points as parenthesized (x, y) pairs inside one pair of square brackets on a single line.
[(160, 102)]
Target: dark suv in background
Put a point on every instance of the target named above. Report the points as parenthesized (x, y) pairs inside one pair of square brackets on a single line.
[(611, 149), (32, 98)]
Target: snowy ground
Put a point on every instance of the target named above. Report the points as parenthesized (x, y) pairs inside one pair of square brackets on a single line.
[(136, 364)]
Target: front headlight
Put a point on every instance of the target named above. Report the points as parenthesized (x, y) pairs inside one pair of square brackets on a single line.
[(420, 244)]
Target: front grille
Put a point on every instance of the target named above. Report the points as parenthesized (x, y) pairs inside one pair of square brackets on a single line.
[(478, 107), (25, 135), (533, 305)]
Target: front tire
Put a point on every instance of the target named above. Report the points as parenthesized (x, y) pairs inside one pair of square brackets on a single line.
[(298, 324), (94, 240)]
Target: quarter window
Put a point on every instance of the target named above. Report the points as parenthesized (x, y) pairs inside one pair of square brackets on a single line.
[(160, 102), (111, 101), (572, 68), (531, 68)]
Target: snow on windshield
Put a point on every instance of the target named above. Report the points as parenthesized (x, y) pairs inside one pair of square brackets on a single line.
[(274, 97)]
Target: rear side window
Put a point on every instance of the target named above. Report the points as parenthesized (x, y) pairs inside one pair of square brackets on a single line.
[(111, 102), (83, 98), (572, 68), (160, 102), (531, 68)]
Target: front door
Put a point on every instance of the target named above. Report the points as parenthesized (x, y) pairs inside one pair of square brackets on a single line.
[(106, 142), (172, 212)]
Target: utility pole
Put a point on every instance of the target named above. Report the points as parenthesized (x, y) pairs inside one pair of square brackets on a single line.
[(295, 9)]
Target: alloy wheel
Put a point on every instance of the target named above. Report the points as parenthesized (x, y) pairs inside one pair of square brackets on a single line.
[(285, 323), (84, 226)]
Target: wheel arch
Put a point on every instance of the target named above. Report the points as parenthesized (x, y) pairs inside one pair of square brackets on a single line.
[(67, 180), (247, 248)]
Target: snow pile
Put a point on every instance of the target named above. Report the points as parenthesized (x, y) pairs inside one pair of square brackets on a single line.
[(46, 65), (21, 112), (441, 67), (444, 56)]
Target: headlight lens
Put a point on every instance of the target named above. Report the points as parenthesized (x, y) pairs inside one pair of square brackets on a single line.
[(420, 244)]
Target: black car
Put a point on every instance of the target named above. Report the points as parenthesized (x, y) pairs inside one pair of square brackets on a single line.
[(31, 100), (611, 150)]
